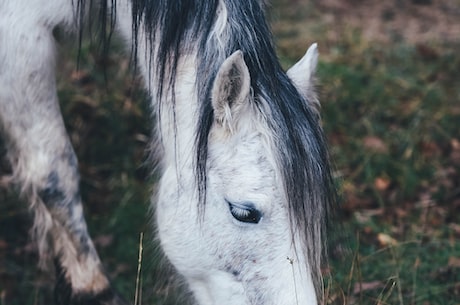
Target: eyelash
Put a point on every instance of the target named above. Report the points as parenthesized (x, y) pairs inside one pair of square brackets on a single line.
[(246, 213)]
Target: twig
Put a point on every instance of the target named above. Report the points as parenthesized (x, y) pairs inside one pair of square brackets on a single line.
[(137, 295)]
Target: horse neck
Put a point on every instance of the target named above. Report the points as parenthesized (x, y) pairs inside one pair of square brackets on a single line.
[(177, 112), (176, 115)]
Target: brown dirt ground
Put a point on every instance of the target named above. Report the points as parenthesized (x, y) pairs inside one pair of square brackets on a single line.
[(414, 21), (417, 22)]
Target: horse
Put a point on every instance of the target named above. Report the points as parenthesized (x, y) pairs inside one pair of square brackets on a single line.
[(246, 183)]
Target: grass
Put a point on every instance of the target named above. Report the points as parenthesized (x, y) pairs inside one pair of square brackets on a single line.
[(396, 112), (391, 115), (390, 112)]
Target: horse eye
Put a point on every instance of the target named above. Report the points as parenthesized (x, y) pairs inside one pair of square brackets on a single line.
[(245, 212)]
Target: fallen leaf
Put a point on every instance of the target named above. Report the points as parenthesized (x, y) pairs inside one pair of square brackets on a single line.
[(455, 156), (359, 287), (81, 77), (455, 144), (364, 216), (381, 183), (401, 213), (386, 240), (455, 153), (455, 227), (430, 149), (375, 144), (103, 240), (425, 51), (3, 244), (454, 262), (368, 230), (417, 263)]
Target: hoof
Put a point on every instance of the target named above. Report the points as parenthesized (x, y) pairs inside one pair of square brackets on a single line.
[(106, 297), (64, 294)]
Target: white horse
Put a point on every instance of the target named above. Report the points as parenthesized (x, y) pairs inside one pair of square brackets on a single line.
[(246, 181)]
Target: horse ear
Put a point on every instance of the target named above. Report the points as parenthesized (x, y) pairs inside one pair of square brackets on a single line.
[(230, 90), (303, 72)]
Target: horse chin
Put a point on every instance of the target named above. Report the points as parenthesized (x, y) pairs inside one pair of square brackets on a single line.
[(221, 287), (218, 287)]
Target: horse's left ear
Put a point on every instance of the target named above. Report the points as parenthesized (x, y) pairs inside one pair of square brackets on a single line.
[(230, 90), (303, 72)]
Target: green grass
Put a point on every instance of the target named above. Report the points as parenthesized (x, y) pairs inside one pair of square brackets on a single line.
[(391, 114)]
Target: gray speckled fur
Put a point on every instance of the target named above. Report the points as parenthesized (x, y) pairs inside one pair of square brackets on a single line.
[(44, 164)]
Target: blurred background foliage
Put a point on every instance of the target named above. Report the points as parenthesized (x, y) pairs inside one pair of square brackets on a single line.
[(388, 81)]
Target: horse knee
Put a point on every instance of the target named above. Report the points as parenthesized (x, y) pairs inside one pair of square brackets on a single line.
[(59, 190), (50, 173), (52, 194), (50, 181), (56, 187), (60, 196)]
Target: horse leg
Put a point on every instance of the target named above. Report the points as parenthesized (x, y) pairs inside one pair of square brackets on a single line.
[(45, 166)]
